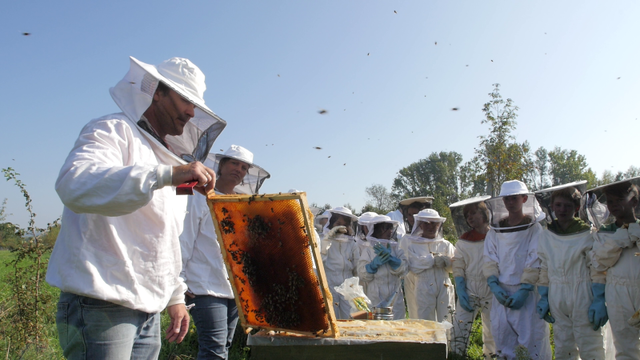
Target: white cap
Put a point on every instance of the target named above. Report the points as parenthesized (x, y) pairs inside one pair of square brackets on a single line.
[(429, 215), (513, 187)]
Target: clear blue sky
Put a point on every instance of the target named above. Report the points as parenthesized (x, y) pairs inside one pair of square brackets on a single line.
[(272, 65)]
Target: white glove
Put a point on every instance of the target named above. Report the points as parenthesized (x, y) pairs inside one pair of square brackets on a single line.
[(622, 239), (337, 230), (439, 261)]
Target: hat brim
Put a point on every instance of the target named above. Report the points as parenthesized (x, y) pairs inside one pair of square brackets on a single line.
[(153, 71), (420, 199)]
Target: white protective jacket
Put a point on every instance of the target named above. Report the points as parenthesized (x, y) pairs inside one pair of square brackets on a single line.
[(467, 263), (615, 253), (428, 289), (381, 285), (203, 270), (513, 258), (121, 220), (565, 267), (340, 258)]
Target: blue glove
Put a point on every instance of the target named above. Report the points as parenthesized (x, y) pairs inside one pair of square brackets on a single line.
[(543, 305), (373, 266), (497, 291), (463, 297), (598, 310), (394, 262), (379, 249), (516, 300)]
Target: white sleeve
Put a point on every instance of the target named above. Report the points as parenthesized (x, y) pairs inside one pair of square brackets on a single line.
[(532, 263), (491, 260), (191, 230), (366, 256), (419, 263), (404, 265), (459, 265), (104, 174)]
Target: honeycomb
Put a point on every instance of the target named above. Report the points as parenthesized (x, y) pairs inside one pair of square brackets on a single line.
[(265, 244)]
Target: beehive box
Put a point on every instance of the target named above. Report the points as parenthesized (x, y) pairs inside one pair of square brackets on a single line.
[(269, 248)]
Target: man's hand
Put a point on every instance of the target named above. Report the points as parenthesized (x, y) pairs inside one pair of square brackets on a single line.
[(179, 324), (195, 171)]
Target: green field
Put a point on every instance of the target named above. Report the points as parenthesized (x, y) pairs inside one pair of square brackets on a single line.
[(187, 350)]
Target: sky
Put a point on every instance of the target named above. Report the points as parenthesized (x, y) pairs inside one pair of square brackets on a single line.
[(388, 74)]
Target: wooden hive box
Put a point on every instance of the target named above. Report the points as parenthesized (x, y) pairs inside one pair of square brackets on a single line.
[(268, 246)]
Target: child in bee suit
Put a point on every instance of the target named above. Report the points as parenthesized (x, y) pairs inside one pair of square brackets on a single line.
[(382, 265), (511, 265), (615, 252), (340, 255), (567, 280), (427, 287), (471, 218)]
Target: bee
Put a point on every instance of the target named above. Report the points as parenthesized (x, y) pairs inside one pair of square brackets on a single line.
[(322, 111), (454, 109)]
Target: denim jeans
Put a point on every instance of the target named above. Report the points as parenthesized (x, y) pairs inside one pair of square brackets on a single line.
[(215, 320), (95, 329)]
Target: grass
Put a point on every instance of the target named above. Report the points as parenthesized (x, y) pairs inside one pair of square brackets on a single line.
[(187, 350)]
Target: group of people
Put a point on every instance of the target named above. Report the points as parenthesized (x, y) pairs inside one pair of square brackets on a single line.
[(130, 247), (572, 262)]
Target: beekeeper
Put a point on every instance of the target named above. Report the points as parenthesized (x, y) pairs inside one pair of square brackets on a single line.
[(567, 281), (382, 265), (340, 255), (427, 287), (320, 220), (511, 266), (214, 313), (117, 257), (615, 253), (406, 209), (471, 219)]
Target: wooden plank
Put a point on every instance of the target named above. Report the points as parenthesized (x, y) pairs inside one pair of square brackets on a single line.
[(378, 350)]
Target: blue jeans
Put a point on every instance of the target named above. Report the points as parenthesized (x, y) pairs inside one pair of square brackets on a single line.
[(95, 329), (215, 320)]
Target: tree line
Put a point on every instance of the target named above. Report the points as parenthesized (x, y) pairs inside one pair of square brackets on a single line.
[(497, 158)]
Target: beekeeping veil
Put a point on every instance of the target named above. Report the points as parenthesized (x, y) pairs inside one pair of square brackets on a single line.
[(378, 221), (134, 94), (255, 175), (544, 197), (457, 213), (341, 210), (499, 213), (321, 214), (427, 215), (363, 225), (594, 203)]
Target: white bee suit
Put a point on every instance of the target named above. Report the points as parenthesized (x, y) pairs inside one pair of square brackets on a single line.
[(615, 254), (384, 282), (566, 270), (467, 263), (340, 254), (513, 256)]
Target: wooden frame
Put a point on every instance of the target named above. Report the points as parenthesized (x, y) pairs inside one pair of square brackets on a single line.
[(239, 284)]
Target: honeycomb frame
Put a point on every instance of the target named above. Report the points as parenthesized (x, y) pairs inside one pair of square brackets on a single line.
[(258, 234)]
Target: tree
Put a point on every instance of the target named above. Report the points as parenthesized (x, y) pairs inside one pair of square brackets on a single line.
[(439, 176), (498, 157), (379, 199), (539, 177), (566, 166)]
